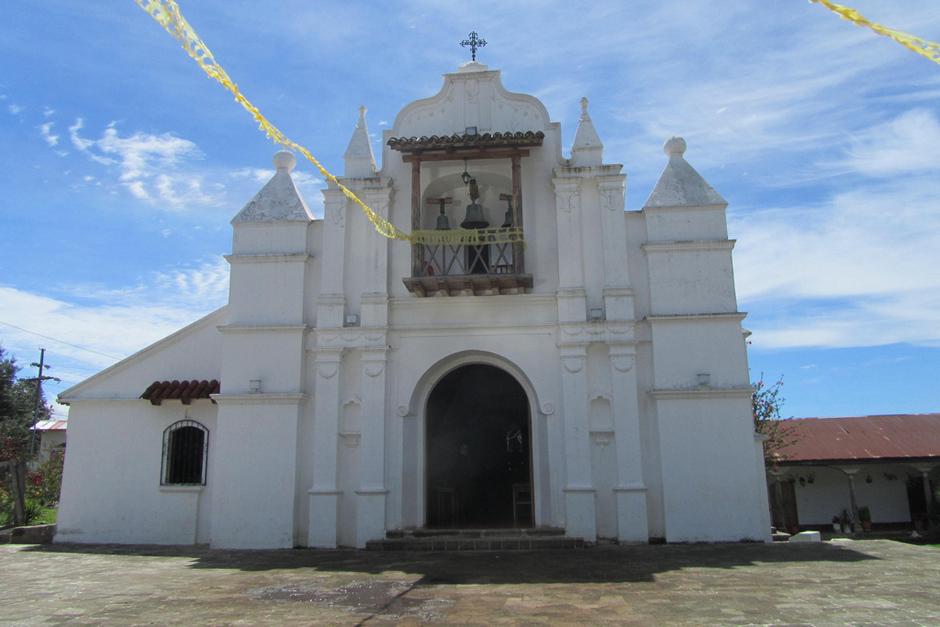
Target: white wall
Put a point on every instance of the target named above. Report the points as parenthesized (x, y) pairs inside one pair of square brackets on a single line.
[(708, 465), (828, 495), (111, 489)]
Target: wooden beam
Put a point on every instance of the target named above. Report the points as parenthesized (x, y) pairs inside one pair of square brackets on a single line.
[(460, 155), (417, 250), (518, 250)]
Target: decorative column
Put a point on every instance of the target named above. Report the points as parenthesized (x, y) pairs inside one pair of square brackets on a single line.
[(370, 497), (630, 492), (331, 303), (374, 300), (924, 470), (580, 513), (850, 472), (324, 494), (568, 207), (618, 298)]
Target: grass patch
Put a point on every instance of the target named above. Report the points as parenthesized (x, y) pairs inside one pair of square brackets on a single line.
[(47, 516)]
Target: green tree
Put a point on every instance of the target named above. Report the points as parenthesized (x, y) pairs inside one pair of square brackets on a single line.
[(17, 404), (779, 432)]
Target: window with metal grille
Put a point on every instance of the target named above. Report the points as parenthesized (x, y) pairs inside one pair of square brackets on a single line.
[(185, 448)]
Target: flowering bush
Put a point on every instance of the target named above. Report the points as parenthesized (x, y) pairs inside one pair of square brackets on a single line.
[(44, 483)]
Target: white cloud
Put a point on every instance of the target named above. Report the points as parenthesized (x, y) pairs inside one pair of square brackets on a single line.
[(263, 175), (909, 143), (15, 109), (47, 112), (157, 169), (857, 270), (116, 322), (46, 131)]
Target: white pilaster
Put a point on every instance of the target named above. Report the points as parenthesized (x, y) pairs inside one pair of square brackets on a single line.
[(374, 300), (331, 302), (568, 209), (630, 491), (580, 514), (371, 495), (324, 494)]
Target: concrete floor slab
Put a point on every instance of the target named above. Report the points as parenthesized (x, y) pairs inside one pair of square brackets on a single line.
[(866, 582)]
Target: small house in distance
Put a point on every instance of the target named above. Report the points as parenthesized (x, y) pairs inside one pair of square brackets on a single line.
[(887, 465), (538, 358), (52, 435)]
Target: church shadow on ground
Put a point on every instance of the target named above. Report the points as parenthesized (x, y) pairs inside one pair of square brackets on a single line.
[(599, 564)]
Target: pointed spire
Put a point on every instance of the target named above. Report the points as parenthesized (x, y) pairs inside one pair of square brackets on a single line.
[(360, 161), (587, 149), (279, 200), (680, 185)]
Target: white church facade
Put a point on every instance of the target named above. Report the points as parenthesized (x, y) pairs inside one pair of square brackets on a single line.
[(592, 378)]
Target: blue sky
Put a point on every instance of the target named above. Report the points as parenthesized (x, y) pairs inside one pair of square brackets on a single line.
[(122, 163)]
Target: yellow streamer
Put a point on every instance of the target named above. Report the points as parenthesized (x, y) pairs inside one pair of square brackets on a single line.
[(167, 13), (473, 237), (922, 47)]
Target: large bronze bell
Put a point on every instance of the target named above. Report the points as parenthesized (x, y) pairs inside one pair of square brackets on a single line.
[(474, 218)]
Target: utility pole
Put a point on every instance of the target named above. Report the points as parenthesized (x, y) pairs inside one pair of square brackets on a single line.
[(38, 403)]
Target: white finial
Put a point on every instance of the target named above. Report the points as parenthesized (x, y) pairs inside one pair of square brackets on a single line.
[(674, 146), (362, 117), (584, 106), (284, 160)]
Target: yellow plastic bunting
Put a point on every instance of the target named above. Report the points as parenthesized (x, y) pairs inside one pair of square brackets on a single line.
[(167, 13), (922, 47)]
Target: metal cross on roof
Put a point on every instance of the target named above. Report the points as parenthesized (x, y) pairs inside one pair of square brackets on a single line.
[(474, 42)]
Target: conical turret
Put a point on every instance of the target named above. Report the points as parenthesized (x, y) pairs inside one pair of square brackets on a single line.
[(279, 200), (360, 161), (680, 185), (588, 149)]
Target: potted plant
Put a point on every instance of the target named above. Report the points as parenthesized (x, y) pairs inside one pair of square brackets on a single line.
[(846, 522), (836, 525), (864, 516)]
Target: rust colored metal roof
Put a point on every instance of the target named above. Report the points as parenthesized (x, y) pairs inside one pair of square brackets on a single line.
[(184, 391), (477, 140), (52, 425), (864, 438)]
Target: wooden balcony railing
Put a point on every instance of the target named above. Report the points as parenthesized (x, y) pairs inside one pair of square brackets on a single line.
[(448, 269)]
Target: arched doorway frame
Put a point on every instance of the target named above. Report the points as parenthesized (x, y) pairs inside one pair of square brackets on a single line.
[(419, 405)]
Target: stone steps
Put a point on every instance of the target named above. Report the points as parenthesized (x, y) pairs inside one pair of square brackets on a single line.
[(475, 540)]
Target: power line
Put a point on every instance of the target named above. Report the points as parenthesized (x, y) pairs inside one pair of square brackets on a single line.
[(82, 348)]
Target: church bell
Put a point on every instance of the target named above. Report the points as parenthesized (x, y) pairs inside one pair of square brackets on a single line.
[(443, 223), (474, 219)]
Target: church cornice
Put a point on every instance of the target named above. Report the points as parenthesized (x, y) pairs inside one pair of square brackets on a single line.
[(692, 393), (259, 399), (687, 245), (730, 315)]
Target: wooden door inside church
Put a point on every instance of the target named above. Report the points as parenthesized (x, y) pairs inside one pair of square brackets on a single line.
[(478, 451)]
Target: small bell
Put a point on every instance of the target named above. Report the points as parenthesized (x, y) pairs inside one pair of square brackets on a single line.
[(443, 223), (507, 219)]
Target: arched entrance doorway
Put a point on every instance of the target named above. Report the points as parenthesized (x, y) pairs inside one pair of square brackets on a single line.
[(479, 451)]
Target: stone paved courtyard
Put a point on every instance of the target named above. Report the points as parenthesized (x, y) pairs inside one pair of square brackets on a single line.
[(865, 582)]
